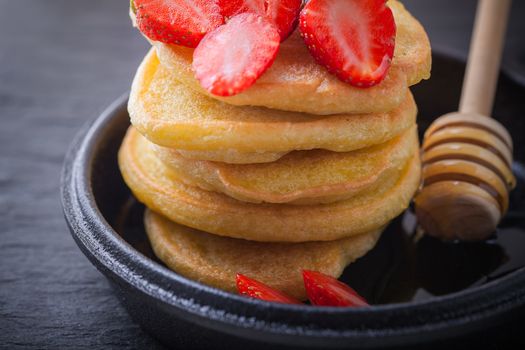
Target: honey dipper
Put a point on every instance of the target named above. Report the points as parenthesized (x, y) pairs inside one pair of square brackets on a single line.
[(466, 155)]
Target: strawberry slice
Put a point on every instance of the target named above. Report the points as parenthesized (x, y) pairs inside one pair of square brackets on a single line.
[(232, 57), (255, 289), (353, 39), (181, 22), (325, 290), (283, 13), (230, 8)]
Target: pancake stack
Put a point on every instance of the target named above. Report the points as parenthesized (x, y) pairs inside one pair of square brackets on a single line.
[(300, 171)]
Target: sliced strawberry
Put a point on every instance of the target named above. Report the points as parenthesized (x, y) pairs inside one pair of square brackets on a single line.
[(230, 8), (181, 22), (283, 13), (232, 57), (354, 39), (255, 289), (325, 290)]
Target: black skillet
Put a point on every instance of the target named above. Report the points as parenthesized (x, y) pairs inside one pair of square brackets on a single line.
[(421, 290)]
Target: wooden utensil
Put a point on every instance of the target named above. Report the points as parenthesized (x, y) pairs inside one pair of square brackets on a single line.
[(466, 155)]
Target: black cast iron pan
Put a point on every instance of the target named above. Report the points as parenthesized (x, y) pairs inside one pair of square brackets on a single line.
[(422, 291)]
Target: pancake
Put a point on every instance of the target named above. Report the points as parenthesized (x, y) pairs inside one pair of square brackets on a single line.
[(231, 156), (295, 82), (300, 177), (169, 114), (215, 260), (154, 185)]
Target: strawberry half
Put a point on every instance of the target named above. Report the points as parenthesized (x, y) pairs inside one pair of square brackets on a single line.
[(232, 57), (255, 289), (283, 13), (181, 22), (325, 290), (230, 8), (353, 39)]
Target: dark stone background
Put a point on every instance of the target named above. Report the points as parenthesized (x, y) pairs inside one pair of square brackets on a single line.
[(61, 63)]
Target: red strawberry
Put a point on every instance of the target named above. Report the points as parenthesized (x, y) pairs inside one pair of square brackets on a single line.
[(232, 57), (283, 13), (354, 39), (325, 290), (255, 289), (230, 8), (181, 22)]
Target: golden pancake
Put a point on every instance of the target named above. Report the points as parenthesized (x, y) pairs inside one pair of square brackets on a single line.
[(215, 260), (231, 156), (300, 177), (154, 184), (169, 114), (295, 82)]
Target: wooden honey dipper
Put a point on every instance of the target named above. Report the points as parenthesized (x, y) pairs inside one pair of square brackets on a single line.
[(466, 155)]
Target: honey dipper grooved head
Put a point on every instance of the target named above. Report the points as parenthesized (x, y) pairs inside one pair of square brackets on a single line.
[(466, 177), (452, 210)]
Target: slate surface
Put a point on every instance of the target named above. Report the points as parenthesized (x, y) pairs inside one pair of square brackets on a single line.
[(61, 63)]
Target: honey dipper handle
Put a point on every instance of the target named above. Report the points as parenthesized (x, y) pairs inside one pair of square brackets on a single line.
[(486, 45)]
